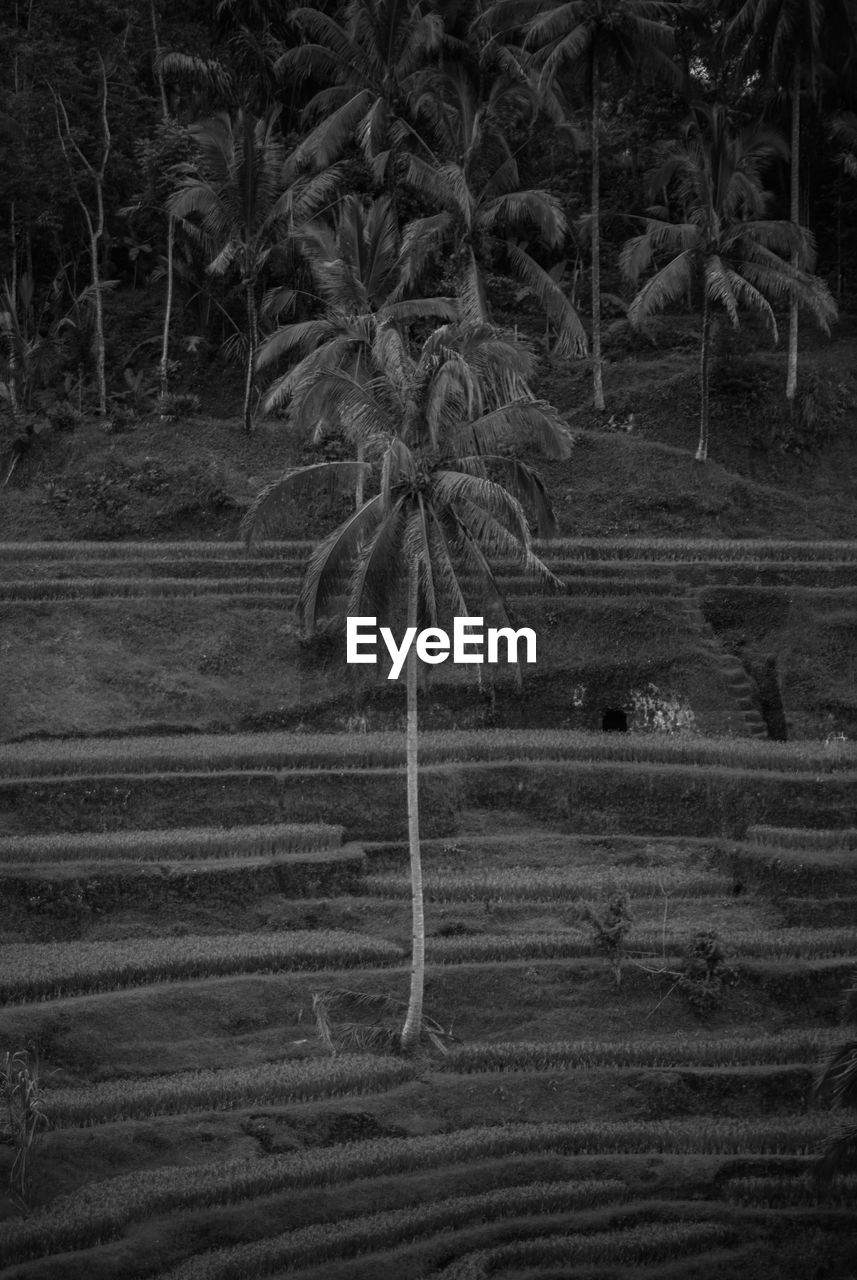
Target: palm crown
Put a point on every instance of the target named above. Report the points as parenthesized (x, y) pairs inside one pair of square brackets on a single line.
[(723, 247)]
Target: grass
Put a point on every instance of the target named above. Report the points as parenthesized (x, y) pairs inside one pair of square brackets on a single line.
[(375, 1231), (519, 884), (275, 1082), (103, 1209), (790, 869), (53, 590), (802, 839), (181, 844), (649, 1051), (649, 1242), (753, 943), (277, 751), (47, 971)]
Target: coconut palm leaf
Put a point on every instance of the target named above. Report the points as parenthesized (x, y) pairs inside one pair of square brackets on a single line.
[(571, 336), (264, 516)]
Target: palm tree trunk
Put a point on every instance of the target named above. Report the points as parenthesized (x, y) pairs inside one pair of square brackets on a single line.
[(597, 382), (100, 354), (358, 484), (702, 448), (794, 214), (171, 222), (413, 1021), (252, 343), (168, 309)]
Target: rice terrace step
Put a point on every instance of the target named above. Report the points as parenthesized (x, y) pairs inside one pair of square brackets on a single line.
[(636, 943)]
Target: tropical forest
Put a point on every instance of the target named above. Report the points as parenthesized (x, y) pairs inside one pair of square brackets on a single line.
[(428, 639)]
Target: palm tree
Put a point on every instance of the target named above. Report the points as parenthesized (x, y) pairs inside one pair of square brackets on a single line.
[(588, 35), (247, 193), (476, 183), (787, 40), (450, 497), (374, 65), (837, 1081), (724, 249), (358, 269)]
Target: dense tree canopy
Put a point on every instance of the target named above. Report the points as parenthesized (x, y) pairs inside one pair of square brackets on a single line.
[(513, 144)]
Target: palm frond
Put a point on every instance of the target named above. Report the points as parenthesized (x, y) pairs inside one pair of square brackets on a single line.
[(837, 1079), (380, 568), (265, 514), (571, 336), (672, 283)]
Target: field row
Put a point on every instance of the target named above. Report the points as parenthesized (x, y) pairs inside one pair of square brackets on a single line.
[(518, 884), (793, 870), (689, 549), (301, 1080), (44, 971), (278, 751), (822, 574), (801, 838), (101, 1210), (179, 844), (372, 1232)]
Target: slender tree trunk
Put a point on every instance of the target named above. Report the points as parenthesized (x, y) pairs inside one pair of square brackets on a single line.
[(702, 449), (12, 228), (839, 242), (168, 310), (794, 214), (413, 1021), (359, 488), (597, 382), (252, 343), (100, 358), (358, 484), (171, 222), (159, 75), (94, 226)]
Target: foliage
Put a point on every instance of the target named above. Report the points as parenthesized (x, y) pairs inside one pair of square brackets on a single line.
[(374, 1022), (705, 972), (23, 1106), (723, 247), (610, 926)]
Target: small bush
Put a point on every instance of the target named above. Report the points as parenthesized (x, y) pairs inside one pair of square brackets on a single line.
[(705, 973), (177, 405)]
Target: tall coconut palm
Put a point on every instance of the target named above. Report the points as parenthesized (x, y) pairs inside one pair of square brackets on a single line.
[(359, 270), (245, 193), (586, 36), (724, 249), (475, 182), (788, 41), (374, 64), (450, 498)]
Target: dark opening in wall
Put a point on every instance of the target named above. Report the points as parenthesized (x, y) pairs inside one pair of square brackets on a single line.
[(771, 698), (614, 720)]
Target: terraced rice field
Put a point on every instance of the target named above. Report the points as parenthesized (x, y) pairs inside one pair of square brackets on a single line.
[(178, 908)]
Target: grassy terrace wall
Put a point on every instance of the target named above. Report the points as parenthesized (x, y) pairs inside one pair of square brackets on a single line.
[(215, 662), (212, 642), (583, 796)]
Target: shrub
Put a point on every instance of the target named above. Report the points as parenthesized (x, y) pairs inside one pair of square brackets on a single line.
[(705, 973)]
